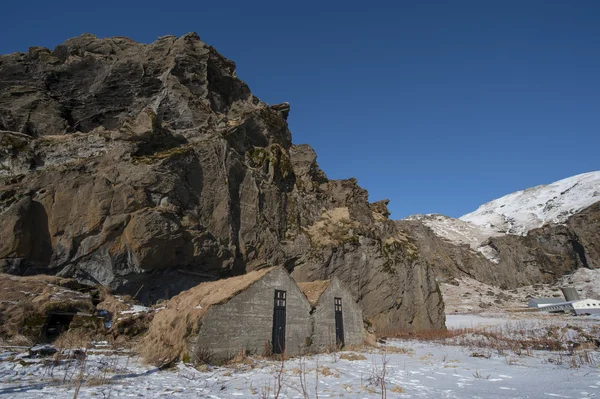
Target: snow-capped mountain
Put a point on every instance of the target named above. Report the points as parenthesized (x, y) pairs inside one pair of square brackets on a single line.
[(519, 212), (455, 230), (460, 232)]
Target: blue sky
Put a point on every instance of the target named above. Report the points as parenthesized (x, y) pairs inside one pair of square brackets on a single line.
[(438, 105)]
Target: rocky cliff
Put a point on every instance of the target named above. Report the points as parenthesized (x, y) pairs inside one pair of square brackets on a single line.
[(151, 168)]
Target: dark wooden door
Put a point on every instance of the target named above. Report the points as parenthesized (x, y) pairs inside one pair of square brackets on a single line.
[(339, 322), (278, 340)]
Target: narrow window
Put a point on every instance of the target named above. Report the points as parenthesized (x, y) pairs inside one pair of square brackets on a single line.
[(339, 322), (278, 336)]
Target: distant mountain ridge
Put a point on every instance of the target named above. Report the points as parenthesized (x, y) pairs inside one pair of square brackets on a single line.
[(517, 213), (521, 211), (527, 237)]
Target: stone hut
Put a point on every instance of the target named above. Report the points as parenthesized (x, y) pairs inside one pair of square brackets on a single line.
[(336, 318), (257, 312)]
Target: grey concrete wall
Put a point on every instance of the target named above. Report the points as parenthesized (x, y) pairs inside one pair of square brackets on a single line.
[(245, 322), (323, 319)]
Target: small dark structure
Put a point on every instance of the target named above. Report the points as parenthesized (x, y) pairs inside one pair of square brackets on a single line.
[(56, 324), (336, 318), (42, 307)]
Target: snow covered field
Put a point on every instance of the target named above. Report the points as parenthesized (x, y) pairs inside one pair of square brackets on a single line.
[(413, 369)]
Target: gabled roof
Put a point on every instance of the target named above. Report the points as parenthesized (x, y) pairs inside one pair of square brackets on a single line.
[(314, 289), (181, 317), (204, 295)]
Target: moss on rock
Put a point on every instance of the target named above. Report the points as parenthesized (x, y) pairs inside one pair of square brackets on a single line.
[(396, 250), (272, 159)]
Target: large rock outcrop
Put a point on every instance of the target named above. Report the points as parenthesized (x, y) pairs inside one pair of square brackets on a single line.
[(542, 255), (151, 168)]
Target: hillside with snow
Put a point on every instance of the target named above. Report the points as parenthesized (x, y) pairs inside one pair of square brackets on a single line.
[(519, 212), (455, 230)]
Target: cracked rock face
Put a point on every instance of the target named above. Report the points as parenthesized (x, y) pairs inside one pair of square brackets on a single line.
[(152, 168)]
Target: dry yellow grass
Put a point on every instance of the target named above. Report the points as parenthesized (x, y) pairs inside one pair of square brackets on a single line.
[(326, 371), (353, 356), (396, 349), (333, 228), (370, 340), (170, 330), (111, 303), (397, 389), (74, 339), (314, 289)]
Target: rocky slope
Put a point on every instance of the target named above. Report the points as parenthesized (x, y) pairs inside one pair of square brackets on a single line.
[(528, 237), (151, 168)]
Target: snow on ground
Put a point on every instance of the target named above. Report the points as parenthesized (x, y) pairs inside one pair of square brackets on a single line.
[(519, 212), (565, 330), (473, 321), (135, 309), (468, 365), (413, 370)]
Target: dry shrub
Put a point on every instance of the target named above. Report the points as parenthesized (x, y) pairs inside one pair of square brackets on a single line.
[(326, 371), (397, 349), (353, 356), (96, 381), (356, 348), (171, 328), (21, 340), (267, 350), (426, 335), (397, 389), (241, 358), (370, 340), (333, 228), (126, 327), (202, 356), (76, 338), (112, 304), (132, 326), (517, 340)]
